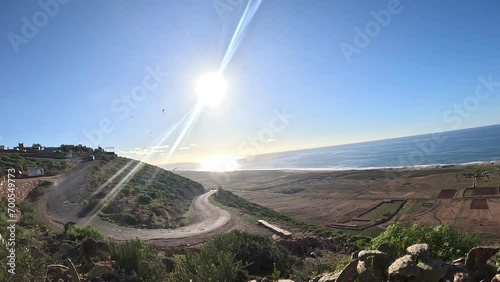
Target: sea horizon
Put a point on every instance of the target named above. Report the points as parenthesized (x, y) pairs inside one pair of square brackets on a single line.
[(416, 151)]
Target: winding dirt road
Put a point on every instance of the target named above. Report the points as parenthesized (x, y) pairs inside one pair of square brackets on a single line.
[(64, 203)]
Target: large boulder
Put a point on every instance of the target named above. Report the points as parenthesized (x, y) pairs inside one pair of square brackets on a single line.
[(432, 270), (348, 274), (404, 269), (418, 251), (478, 257)]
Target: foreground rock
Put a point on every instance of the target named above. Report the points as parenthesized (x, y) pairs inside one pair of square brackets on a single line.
[(383, 265)]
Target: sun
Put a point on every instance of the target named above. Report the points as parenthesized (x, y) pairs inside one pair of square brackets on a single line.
[(220, 163), (211, 88)]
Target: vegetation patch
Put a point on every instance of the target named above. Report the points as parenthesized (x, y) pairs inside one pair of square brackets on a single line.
[(133, 193), (384, 210), (444, 242), (229, 199), (23, 163)]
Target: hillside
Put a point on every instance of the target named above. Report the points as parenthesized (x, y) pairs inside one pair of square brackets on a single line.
[(20, 162), (134, 193)]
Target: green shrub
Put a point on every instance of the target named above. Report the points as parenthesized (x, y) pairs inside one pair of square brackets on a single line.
[(136, 256), (444, 242), (82, 232), (257, 253), (144, 199), (210, 265), (31, 257), (129, 255), (129, 219)]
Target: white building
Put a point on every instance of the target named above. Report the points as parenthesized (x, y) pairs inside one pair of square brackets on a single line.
[(3, 147)]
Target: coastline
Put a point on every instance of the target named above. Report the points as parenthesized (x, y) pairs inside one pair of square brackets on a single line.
[(332, 169)]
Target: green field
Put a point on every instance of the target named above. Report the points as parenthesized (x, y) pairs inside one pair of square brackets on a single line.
[(384, 210)]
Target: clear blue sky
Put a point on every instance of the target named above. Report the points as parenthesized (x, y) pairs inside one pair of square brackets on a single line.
[(66, 79)]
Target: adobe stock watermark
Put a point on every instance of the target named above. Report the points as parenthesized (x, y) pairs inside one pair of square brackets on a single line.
[(31, 26), (454, 117), (123, 106), (225, 7), (255, 144), (363, 37)]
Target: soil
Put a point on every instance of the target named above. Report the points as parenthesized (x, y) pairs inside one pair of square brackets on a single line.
[(329, 197)]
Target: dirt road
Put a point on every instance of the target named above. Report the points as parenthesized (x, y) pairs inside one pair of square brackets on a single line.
[(64, 203)]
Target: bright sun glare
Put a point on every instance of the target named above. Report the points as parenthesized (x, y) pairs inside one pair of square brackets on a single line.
[(211, 88), (219, 163)]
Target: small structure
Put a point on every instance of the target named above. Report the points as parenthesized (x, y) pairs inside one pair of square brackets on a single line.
[(281, 232), (3, 147), (35, 171)]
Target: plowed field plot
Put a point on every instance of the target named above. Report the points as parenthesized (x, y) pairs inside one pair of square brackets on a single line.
[(447, 194), (479, 204), (485, 191)]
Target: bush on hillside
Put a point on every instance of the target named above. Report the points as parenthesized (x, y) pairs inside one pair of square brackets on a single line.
[(82, 232), (444, 242), (209, 265), (135, 256), (257, 254), (128, 218)]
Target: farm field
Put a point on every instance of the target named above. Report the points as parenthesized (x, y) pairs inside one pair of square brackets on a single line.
[(366, 198)]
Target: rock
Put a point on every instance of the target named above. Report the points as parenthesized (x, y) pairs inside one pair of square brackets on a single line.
[(369, 253), (354, 255), (103, 249), (478, 257), (365, 272), (348, 274), (432, 270), (68, 251), (405, 269), (389, 249), (329, 277), (376, 265), (461, 277), (99, 270), (419, 251), (452, 269), (253, 277)]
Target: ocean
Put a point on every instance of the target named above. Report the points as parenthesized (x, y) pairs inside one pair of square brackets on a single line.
[(481, 144)]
